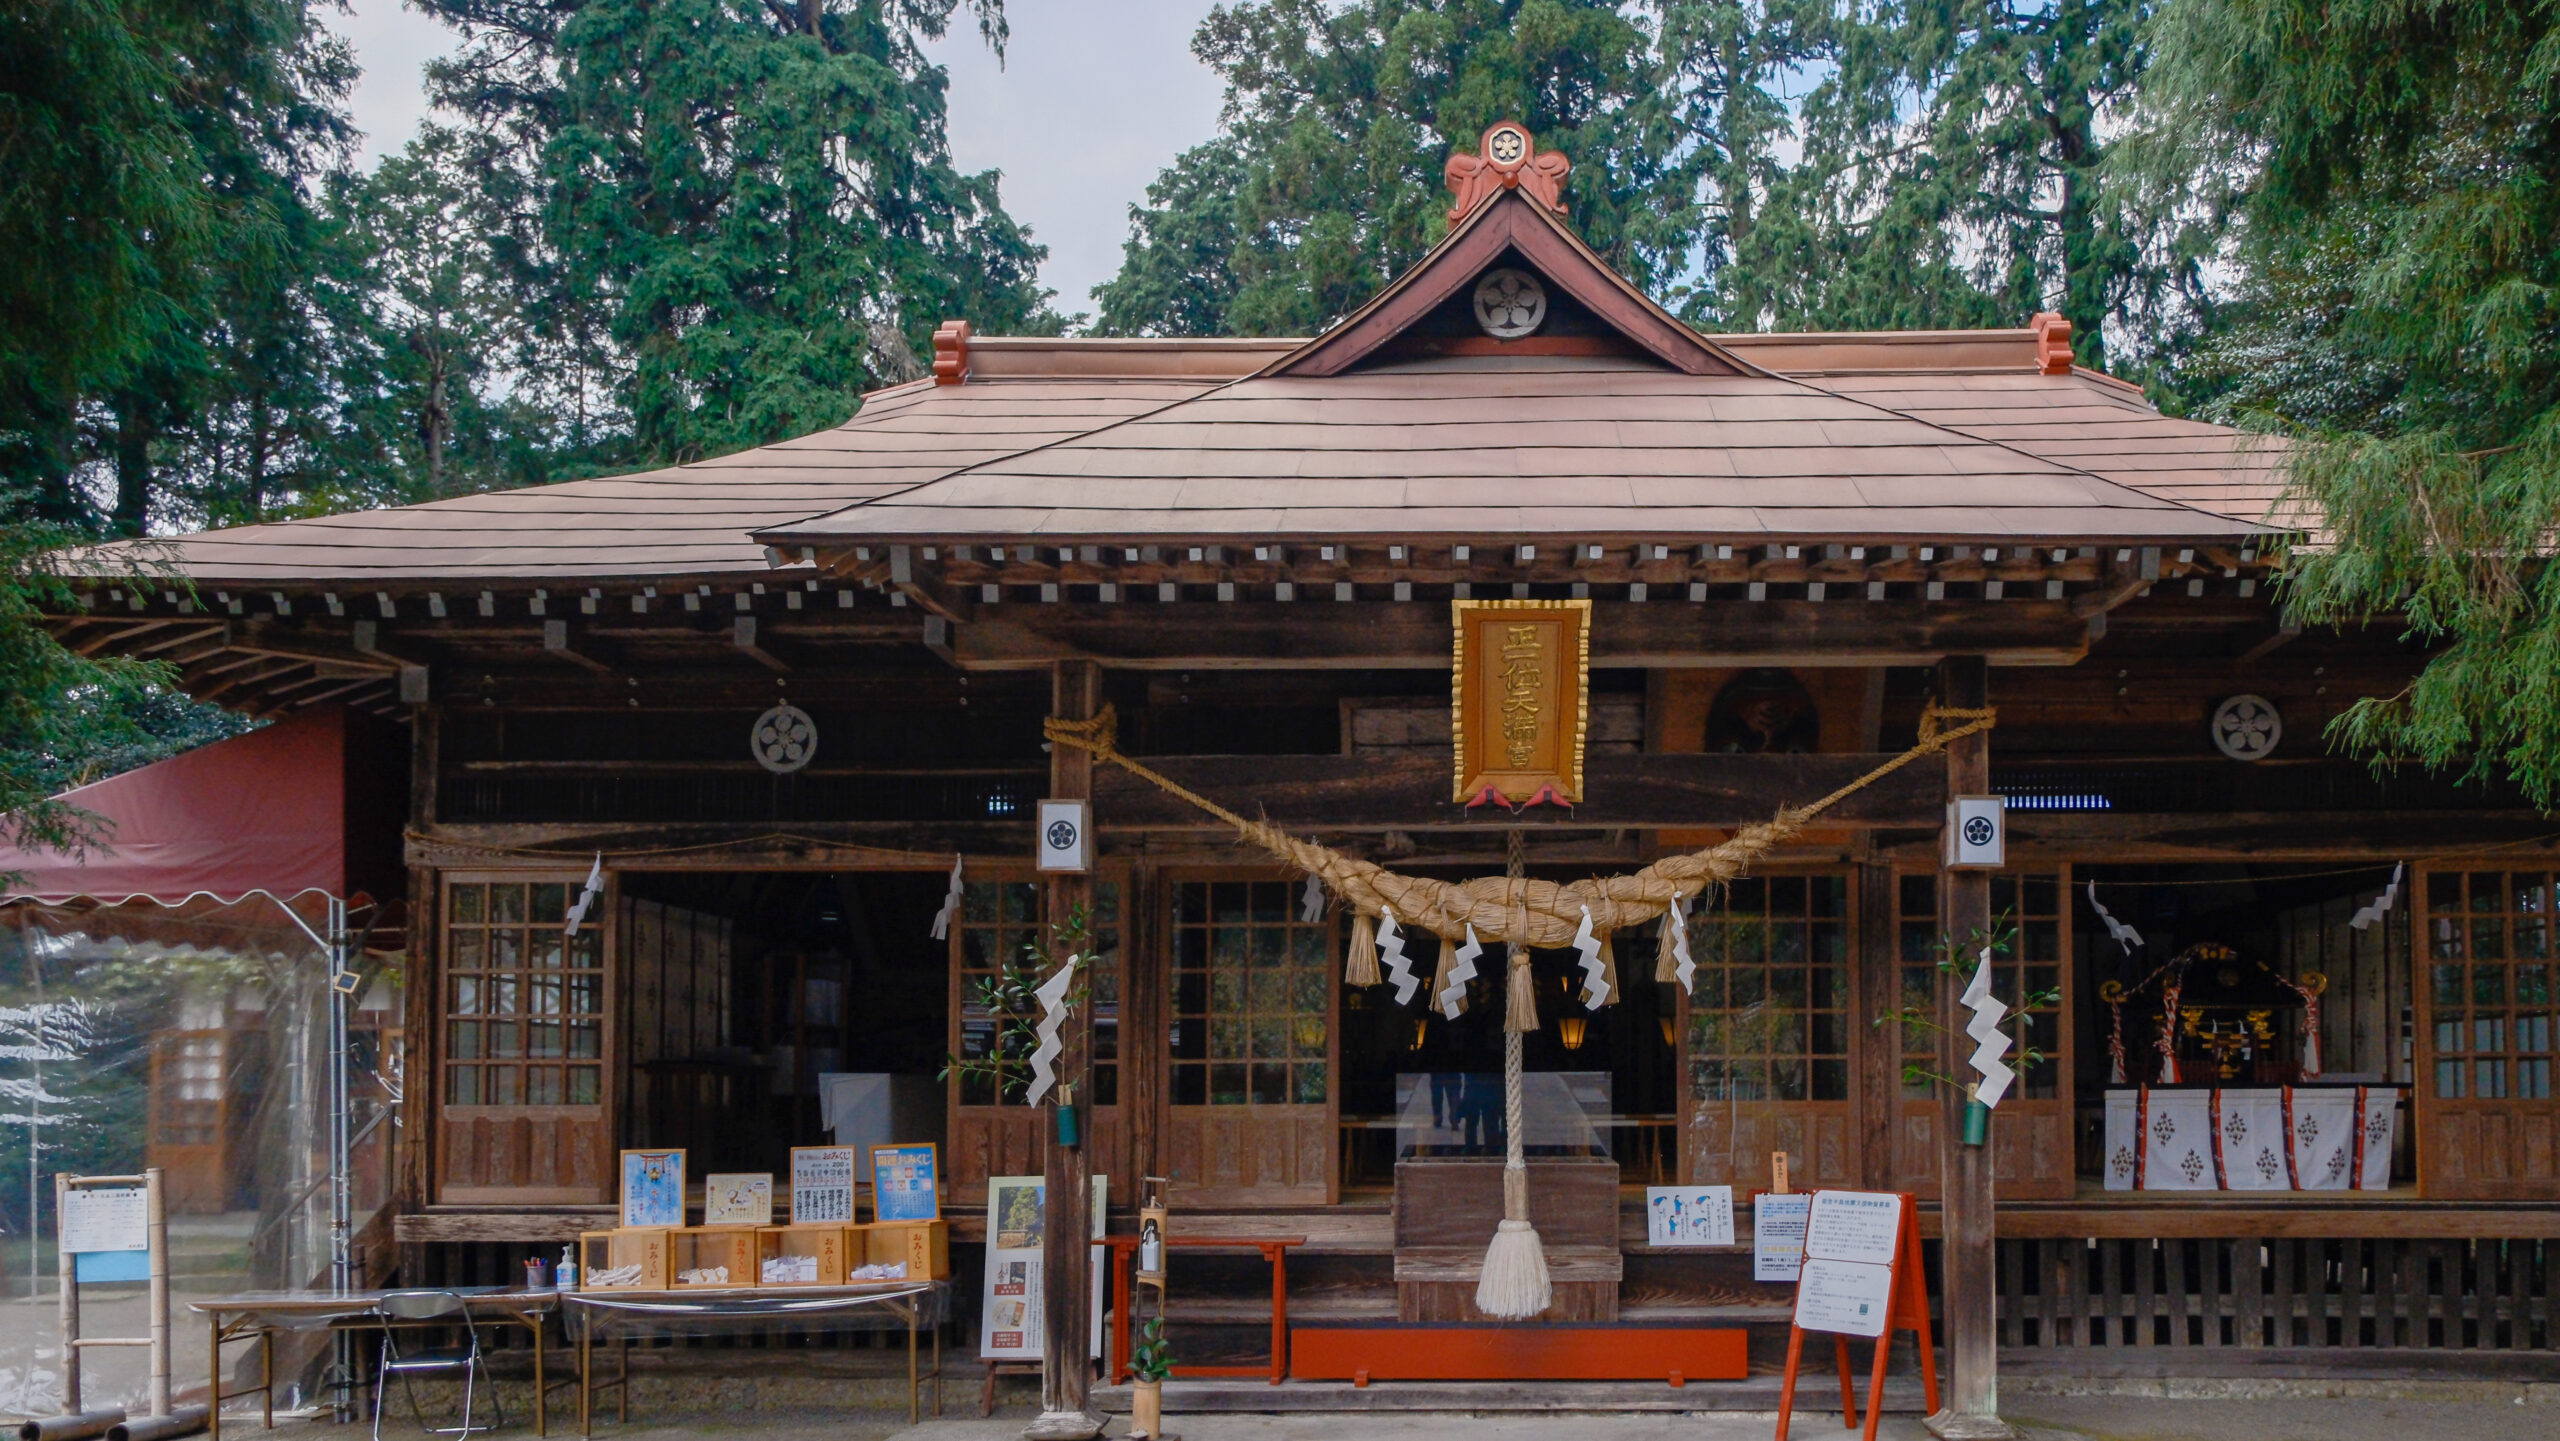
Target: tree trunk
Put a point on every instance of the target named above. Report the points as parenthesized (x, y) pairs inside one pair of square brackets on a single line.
[(133, 464)]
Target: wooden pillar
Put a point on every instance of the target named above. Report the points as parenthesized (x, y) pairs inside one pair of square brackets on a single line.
[(1968, 1302), (1145, 1007), (1877, 984), (422, 1008), (1066, 1241)]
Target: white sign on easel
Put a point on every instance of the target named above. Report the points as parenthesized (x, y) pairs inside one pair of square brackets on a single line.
[(111, 1229), (1851, 1240)]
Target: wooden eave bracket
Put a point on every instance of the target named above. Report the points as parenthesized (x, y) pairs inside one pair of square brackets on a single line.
[(555, 641), (742, 634)]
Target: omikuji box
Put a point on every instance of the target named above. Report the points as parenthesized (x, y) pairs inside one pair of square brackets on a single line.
[(605, 1253), (713, 1256), (924, 1245), (812, 1255)]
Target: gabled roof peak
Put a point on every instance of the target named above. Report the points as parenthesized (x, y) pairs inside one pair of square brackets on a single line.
[(1506, 158)]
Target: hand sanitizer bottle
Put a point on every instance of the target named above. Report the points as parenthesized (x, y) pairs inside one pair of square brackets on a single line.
[(567, 1276)]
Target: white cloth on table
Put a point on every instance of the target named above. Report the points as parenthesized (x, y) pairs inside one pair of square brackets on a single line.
[(2178, 1141), (2379, 1112), (2252, 1139), (2124, 1138), (2324, 1137)]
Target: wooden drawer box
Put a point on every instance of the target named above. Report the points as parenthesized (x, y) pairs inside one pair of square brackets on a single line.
[(647, 1247)]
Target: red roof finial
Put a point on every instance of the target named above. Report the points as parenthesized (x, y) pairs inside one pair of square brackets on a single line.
[(951, 353), (2053, 343), (1506, 159)]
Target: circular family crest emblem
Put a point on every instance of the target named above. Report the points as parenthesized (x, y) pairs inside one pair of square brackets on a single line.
[(1978, 831), (783, 739), (2247, 727), (1062, 835), (1510, 303), (1507, 145)]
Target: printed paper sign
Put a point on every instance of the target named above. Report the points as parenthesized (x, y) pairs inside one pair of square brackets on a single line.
[(653, 1188), (1854, 1226), (1010, 1327), (1777, 1236), (904, 1186), (821, 1184), (1849, 1298), (744, 1199), (106, 1218), (1688, 1215)]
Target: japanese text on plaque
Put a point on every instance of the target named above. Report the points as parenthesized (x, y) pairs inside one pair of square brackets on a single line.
[(1524, 679)]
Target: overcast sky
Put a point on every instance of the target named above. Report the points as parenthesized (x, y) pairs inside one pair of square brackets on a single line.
[(1094, 98)]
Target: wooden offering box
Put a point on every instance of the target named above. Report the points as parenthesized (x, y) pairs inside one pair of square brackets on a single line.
[(924, 1245), (647, 1247), (824, 1247), (727, 1253)]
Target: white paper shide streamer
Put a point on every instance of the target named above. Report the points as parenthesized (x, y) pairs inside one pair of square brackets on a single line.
[(587, 895), (1391, 955), (1683, 965), (2367, 917), (1462, 969), (1311, 902), (1990, 1043), (1595, 977), (950, 911), (2117, 931), (1053, 1014)]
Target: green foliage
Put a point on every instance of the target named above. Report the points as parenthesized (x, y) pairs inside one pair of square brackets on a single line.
[(1918, 1020), (1324, 181), (726, 219), (2394, 170), (1151, 1359), (1011, 998)]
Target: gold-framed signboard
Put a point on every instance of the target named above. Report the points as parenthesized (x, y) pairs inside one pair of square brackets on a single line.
[(1519, 702)]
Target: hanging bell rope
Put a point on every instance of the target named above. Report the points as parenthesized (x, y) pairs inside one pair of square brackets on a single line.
[(1514, 1285), (1513, 909)]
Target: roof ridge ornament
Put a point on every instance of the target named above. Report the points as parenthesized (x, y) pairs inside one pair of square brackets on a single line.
[(1506, 158), (951, 352), (2053, 342)]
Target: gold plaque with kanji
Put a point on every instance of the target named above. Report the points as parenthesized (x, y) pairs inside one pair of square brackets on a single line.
[(1520, 699)]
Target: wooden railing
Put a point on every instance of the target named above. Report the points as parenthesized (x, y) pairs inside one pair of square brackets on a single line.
[(2485, 1295)]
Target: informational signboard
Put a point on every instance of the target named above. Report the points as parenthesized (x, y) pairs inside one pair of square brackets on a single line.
[(821, 1185), (1010, 1323), (905, 1183), (653, 1188), (106, 1218), (1861, 1226), (1777, 1235), (1688, 1215), (740, 1199), (1844, 1297)]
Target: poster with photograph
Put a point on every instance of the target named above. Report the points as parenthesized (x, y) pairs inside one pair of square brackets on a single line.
[(821, 1185), (1010, 1326), (653, 1188), (1688, 1215), (1777, 1235), (904, 1183), (739, 1199)]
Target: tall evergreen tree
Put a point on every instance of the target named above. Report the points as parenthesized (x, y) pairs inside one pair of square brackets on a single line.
[(1325, 180), (2396, 169), (733, 215)]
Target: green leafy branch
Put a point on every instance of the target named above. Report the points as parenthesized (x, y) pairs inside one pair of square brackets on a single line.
[(1952, 959), (1152, 1358), (1012, 997)]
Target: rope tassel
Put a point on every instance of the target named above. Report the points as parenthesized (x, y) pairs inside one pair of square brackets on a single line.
[(1521, 1014), (1362, 968)]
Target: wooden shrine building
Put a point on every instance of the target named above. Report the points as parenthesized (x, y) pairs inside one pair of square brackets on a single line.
[(1248, 549)]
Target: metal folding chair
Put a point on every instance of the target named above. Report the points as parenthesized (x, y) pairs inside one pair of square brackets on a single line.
[(412, 1310)]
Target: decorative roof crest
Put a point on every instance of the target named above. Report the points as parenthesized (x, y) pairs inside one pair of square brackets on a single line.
[(1506, 159)]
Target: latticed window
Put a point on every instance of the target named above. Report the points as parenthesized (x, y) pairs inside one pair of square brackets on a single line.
[(1769, 1013), (2030, 905), (2489, 977), (524, 1000), (1252, 996), (999, 922)]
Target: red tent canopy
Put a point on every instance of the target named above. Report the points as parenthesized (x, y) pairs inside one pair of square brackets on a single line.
[(310, 803)]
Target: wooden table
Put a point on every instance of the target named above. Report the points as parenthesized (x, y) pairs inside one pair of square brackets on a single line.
[(261, 1314), (698, 1310), (1274, 1249)]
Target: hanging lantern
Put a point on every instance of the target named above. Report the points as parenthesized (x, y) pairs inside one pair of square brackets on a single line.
[(1571, 1030)]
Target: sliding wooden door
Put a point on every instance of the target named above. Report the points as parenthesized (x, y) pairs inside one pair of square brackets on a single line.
[(1251, 1095), (1772, 1039), (993, 1133), (2488, 1123), (523, 1110)]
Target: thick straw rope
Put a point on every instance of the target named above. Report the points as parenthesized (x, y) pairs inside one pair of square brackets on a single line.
[(1512, 909)]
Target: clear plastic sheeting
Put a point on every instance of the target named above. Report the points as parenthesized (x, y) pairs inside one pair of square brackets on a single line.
[(195, 1038), (603, 1316), (1460, 1113)]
